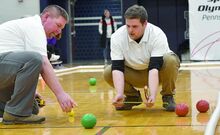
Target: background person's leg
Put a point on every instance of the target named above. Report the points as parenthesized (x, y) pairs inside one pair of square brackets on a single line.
[(108, 51), (2, 107), (105, 56)]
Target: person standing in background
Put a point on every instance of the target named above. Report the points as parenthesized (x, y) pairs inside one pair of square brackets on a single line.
[(107, 27)]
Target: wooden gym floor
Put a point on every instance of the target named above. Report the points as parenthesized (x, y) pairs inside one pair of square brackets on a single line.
[(194, 83)]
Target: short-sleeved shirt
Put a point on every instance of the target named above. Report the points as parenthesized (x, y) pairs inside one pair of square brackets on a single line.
[(137, 55), (26, 34)]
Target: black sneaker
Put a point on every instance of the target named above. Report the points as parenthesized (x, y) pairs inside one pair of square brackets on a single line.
[(128, 106), (169, 103), (36, 108)]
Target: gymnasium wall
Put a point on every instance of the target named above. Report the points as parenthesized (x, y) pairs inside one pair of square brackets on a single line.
[(63, 44), (14, 9), (87, 15), (169, 15), (172, 17)]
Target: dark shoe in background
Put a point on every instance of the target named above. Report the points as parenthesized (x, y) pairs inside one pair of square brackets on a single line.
[(128, 106), (36, 107), (1, 113)]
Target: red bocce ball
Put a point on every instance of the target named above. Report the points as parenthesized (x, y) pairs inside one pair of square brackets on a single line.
[(182, 109)]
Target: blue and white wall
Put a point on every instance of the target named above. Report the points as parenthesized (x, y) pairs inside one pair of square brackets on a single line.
[(87, 15), (169, 15)]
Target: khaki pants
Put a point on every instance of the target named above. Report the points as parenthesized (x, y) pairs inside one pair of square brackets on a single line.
[(139, 78)]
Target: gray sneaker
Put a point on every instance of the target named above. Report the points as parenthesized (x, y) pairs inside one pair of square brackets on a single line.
[(128, 106), (9, 119), (169, 103), (36, 107)]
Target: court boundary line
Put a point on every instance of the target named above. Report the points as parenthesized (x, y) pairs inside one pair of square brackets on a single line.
[(100, 68), (132, 126), (103, 130)]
